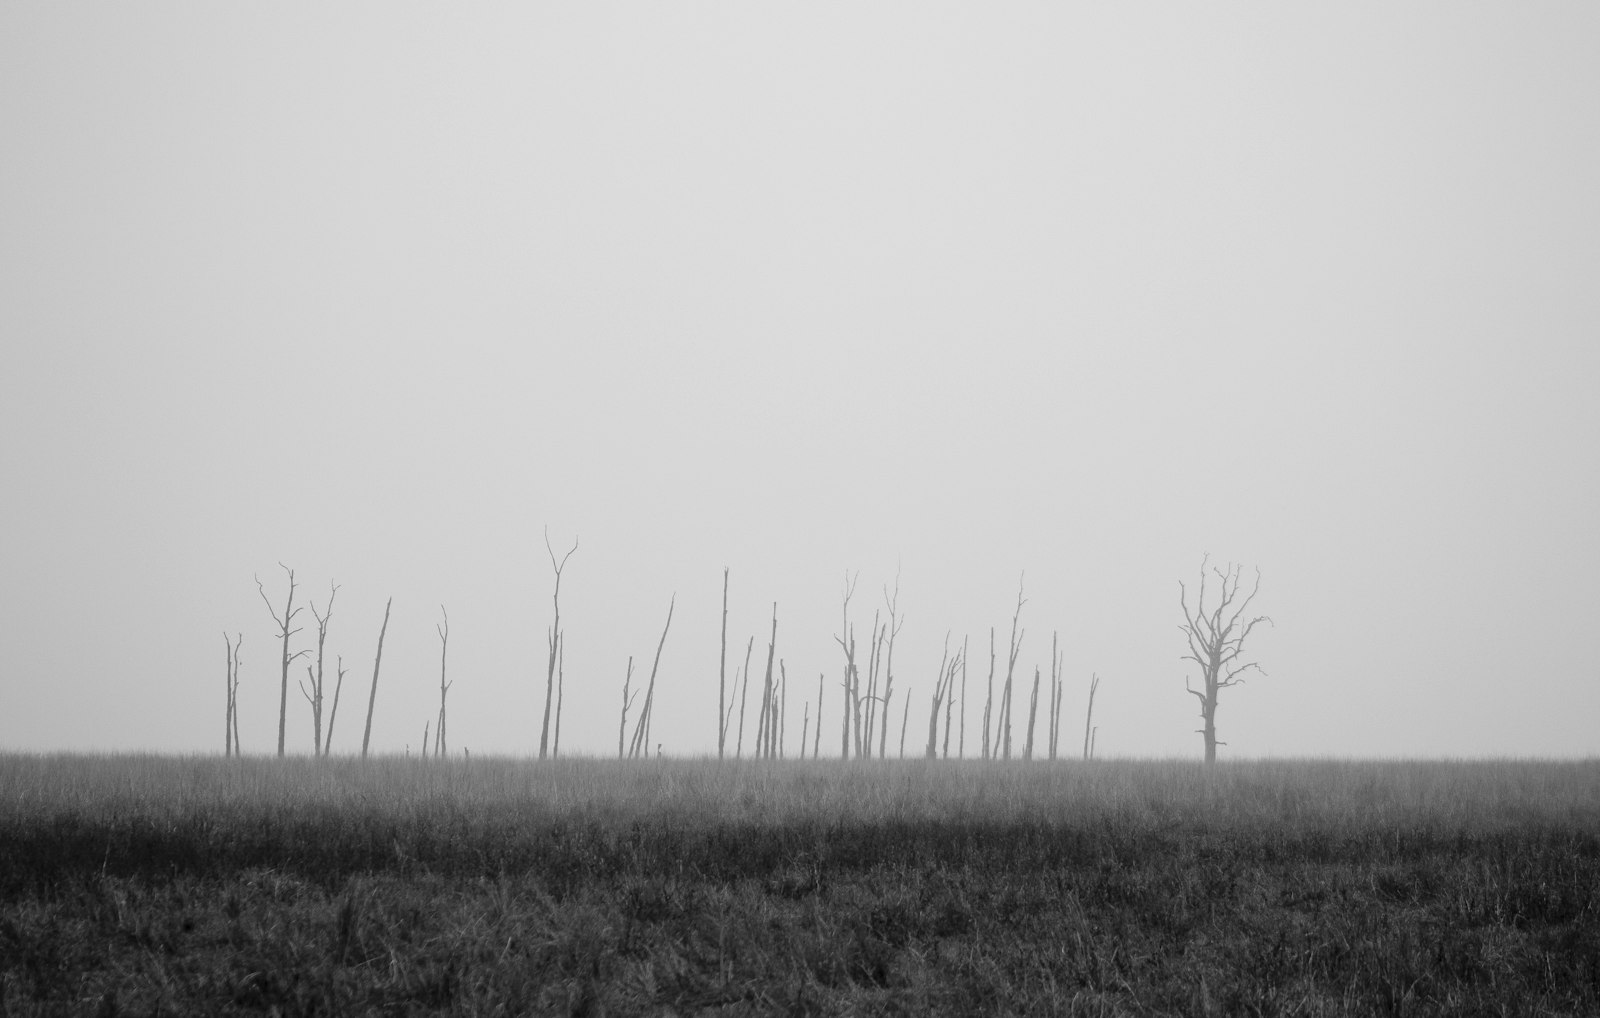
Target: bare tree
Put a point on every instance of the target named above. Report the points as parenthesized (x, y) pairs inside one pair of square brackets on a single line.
[(441, 746), (1088, 719), (641, 731), (1216, 642), (1011, 667), (744, 693), (988, 702), (289, 612), (766, 736), (554, 638), (627, 702), (313, 695), (1033, 716), (847, 642), (961, 748), (561, 689), (230, 724), (333, 711), (1055, 693), (372, 697), (816, 740), (896, 620), (941, 689), (722, 675)]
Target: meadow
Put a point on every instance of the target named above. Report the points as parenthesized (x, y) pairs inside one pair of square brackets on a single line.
[(163, 885)]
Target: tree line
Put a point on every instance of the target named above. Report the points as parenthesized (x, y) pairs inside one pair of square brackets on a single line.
[(1216, 628)]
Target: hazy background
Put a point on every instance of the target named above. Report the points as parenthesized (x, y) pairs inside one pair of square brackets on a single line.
[(380, 291)]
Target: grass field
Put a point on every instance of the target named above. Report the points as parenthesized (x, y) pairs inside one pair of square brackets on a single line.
[(144, 885)]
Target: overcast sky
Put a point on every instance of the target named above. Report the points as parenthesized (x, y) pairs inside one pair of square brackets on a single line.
[(964, 292)]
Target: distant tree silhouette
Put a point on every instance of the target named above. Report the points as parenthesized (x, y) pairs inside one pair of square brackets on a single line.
[(1216, 638)]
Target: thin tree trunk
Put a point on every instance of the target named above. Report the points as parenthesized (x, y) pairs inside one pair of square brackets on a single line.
[(805, 729), (744, 694), (816, 740), (1033, 716), (641, 732), (622, 728), (554, 636), (440, 745), (561, 689), (961, 750), (905, 713), (284, 630), (333, 712), (988, 703), (372, 697), (722, 675), (1088, 717)]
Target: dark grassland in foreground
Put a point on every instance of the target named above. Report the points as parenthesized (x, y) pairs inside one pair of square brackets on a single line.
[(145, 885)]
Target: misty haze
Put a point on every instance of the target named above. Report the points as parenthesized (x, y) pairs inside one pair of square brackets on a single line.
[(678, 508)]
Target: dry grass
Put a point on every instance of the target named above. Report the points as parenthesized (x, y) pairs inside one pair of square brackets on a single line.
[(584, 886)]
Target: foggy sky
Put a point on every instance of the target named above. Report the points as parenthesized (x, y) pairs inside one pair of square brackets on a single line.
[(965, 293)]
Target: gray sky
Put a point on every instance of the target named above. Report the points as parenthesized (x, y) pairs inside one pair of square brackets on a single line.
[(960, 290)]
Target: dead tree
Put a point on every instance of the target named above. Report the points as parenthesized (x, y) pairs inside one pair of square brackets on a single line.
[(1055, 693), (744, 693), (1011, 667), (627, 702), (905, 714), (313, 695), (766, 735), (441, 747), (641, 731), (289, 612), (230, 721), (561, 689), (896, 620), (1033, 716), (1216, 638), (805, 729), (816, 740), (941, 688), (333, 710), (554, 640), (372, 697), (722, 675), (988, 702), (1088, 719), (847, 642), (961, 748)]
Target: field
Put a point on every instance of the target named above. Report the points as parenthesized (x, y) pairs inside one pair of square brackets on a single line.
[(144, 885)]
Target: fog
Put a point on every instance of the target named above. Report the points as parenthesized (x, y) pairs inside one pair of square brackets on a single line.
[(971, 296)]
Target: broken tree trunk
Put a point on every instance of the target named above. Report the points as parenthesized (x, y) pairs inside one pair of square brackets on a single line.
[(372, 697)]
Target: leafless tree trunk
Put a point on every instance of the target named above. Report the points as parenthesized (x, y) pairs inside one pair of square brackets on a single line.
[(425, 740), (988, 702), (961, 750), (874, 659), (441, 745), (561, 689), (783, 708), (1216, 642), (722, 675), (314, 694), (765, 734), (1033, 716), (939, 682), (847, 642), (1055, 694), (744, 693), (805, 729), (905, 713), (627, 701), (230, 725), (816, 740), (641, 731), (896, 620), (554, 640), (372, 697), (333, 711), (1011, 667), (289, 612), (1088, 719)]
